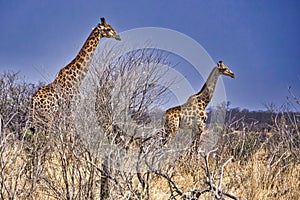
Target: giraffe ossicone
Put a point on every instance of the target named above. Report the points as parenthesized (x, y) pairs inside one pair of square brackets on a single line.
[(46, 103)]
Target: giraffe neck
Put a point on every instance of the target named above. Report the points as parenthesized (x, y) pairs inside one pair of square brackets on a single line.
[(207, 91), (85, 55), (73, 74)]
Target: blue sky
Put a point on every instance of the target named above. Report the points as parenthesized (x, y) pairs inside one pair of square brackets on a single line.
[(258, 39)]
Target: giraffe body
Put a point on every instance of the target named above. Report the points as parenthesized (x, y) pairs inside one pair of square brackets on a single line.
[(48, 100), (192, 114)]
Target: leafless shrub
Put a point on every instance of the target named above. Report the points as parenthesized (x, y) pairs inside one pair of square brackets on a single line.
[(68, 165), (47, 164), (123, 91), (15, 101), (12, 167), (212, 179), (129, 87), (285, 135), (15, 105)]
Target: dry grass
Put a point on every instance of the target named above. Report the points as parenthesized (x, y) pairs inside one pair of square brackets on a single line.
[(73, 173), (255, 179)]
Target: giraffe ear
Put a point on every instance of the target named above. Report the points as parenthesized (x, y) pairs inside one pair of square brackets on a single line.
[(103, 22)]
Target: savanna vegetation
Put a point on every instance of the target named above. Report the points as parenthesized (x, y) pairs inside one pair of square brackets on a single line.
[(115, 151)]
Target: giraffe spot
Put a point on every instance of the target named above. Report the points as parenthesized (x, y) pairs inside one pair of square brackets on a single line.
[(80, 60), (81, 73), (69, 84), (82, 53)]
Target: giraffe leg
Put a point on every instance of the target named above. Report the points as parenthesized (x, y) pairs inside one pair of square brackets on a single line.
[(104, 188), (198, 130)]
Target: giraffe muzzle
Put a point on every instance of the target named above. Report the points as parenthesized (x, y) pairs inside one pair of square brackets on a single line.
[(117, 37)]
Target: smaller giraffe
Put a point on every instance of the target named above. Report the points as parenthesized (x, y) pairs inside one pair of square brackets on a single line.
[(57, 96), (192, 113)]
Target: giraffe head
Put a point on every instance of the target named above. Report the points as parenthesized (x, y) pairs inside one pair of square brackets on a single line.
[(107, 31), (224, 70)]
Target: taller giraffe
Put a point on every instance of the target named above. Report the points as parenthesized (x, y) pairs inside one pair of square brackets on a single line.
[(65, 87), (192, 113)]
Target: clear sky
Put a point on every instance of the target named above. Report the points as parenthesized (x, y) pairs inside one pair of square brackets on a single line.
[(258, 39)]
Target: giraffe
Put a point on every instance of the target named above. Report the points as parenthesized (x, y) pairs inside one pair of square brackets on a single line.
[(192, 113), (48, 99)]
